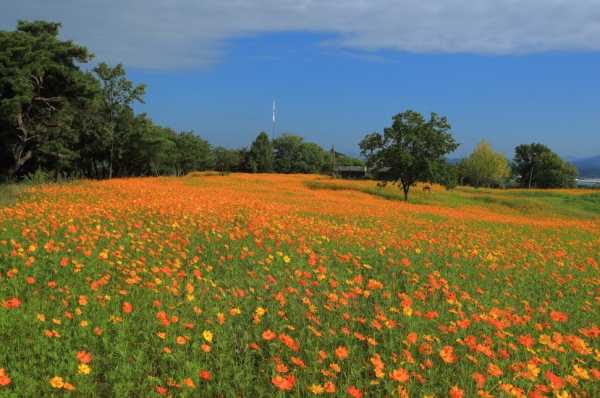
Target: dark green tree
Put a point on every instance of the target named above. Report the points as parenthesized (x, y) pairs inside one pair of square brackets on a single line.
[(225, 159), (117, 95), (41, 89), (293, 155), (260, 157), (410, 150), (193, 153), (536, 165)]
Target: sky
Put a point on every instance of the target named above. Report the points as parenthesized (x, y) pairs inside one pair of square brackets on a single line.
[(510, 72)]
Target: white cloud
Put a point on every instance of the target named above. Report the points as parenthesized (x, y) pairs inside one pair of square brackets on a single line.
[(188, 34)]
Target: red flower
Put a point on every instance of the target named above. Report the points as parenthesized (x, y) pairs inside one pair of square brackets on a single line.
[(205, 375)]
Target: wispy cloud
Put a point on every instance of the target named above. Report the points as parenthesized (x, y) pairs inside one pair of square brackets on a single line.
[(191, 34)]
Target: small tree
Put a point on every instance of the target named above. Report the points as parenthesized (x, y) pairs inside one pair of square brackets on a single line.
[(260, 157), (410, 150), (485, 167)]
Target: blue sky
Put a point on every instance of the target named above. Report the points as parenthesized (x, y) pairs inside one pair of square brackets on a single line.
[(509, 72)]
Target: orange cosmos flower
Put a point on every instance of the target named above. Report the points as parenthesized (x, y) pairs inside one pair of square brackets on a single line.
[(181, 340), (341, 352), (329, 387), (127, 308), (281, 368), (494, 370), (189, 383), (4, 379), (205, 347), (57, 382), (204, 374), (456, 392), (558, 316), (447, 354), (269, 335), (354, 392), (68, 386), (479, 379), (425, 349), (400, 375), (84, 357), (284, 383), (161, 390), (430, 315), (526, 340)]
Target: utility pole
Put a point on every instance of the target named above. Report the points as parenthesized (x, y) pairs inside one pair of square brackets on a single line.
[(530, 175), (333, 161)]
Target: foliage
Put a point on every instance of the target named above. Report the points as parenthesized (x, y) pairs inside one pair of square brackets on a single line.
[(260, 157), (410, 150), (293, 155), (537, 166), (117, 95), (484, 167), (41, 89), (225, 159)]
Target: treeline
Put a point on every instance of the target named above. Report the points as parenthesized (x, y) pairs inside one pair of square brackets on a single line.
[(64, 121), (533, 166)]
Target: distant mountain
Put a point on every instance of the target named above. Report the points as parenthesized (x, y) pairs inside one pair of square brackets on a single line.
[(588, 167)]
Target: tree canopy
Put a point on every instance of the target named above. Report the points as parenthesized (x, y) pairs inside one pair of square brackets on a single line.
[(484, 167), (260, 157), (41, 89), (293, 155), (536, 165), (410, 150)]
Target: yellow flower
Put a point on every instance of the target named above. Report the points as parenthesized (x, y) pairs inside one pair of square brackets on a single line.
[(84, 324), (208, 336), (84, 369), (315, 389), (261, 311), (57, 382)]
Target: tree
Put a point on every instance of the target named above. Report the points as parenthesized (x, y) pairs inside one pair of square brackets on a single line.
[(552, 172), (293, 155), (536, 165), (41, 89), (224, 159), (409, 150), (260, 157), (193, 153), (484, 167), (117, 95)]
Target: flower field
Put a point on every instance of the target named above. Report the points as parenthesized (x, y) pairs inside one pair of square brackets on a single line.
[(271, 285)]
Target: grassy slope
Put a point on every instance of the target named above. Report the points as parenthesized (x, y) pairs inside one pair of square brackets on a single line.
[(579, 204)]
